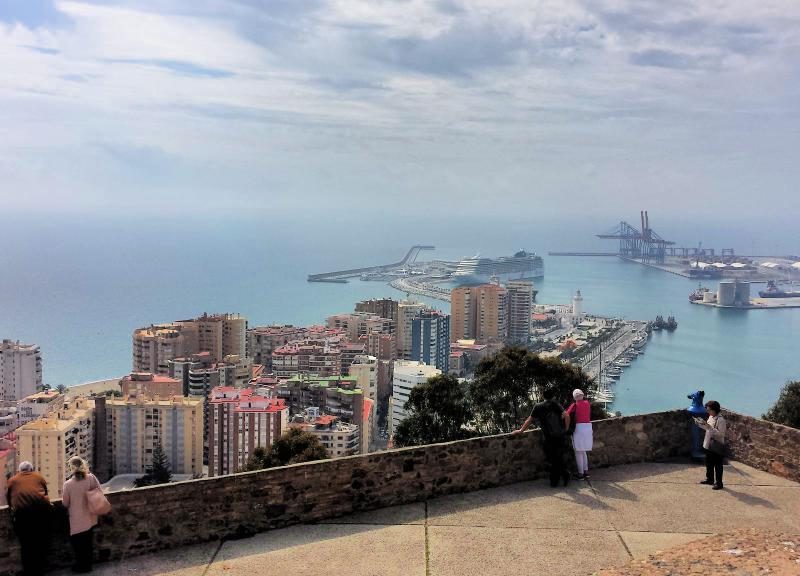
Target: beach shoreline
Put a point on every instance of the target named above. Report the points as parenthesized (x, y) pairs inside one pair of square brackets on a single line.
[(96, 387)]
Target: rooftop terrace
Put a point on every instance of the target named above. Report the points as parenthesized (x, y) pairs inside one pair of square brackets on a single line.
[(622, 513)]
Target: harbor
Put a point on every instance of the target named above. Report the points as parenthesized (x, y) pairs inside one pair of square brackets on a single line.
[(425, 278), (736, 295), (643, 245)]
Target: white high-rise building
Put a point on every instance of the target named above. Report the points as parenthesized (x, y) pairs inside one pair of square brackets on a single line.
[(407, 374), (20, 370)]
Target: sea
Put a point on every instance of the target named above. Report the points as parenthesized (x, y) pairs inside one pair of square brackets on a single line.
[(79, 285)]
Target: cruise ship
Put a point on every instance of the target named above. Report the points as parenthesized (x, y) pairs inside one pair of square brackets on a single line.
[(476, 270)]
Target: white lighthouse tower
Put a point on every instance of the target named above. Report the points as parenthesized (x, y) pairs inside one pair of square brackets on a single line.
[(577, 308)]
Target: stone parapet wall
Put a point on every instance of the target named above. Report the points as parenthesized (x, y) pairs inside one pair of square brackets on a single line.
[(764, 445), (150, 519)]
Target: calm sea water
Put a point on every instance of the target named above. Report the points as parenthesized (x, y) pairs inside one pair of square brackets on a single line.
[(79, 289)]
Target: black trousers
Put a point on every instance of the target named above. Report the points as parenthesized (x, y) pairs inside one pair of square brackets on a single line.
[(554, 453), (714, 467), (82, 547), (32, 525)]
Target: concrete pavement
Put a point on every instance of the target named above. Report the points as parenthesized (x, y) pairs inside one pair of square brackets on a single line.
[(528, 528)]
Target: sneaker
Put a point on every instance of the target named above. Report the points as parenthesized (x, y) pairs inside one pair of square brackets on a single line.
[(717, 487), (709, 482), (578, 476)]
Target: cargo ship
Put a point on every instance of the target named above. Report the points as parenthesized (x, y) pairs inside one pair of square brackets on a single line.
[(773, 291), (521, 266)]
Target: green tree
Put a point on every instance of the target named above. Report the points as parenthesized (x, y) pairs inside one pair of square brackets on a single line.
[(786, 409), (293, 447), (159, 473), (438, 411), (508, 384), (61, 389)]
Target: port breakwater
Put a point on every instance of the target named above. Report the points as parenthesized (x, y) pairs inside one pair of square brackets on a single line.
[(341, 276)]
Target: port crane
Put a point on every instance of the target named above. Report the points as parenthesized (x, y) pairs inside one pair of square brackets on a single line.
[(645, 244)]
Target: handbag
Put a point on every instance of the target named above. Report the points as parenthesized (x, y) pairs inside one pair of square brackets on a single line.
[(96, 501), (715, 445)]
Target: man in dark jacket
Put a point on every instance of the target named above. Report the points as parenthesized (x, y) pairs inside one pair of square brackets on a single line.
[(549, 415), (27, 496)]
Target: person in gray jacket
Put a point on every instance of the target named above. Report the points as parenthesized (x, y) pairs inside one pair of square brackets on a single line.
[(714, 444)]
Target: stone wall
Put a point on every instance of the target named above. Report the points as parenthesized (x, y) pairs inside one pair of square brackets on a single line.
[(159, 517), (764, 445)]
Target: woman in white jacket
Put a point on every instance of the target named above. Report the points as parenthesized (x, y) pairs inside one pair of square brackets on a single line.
[(714, 444)]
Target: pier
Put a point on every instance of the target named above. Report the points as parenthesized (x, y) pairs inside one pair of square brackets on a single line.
[(583, 253), (341, 276)]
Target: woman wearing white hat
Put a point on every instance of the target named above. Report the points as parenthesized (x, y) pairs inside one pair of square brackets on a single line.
[(581, 410)]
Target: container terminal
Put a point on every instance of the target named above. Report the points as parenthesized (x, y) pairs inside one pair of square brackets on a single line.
[(645, 246)]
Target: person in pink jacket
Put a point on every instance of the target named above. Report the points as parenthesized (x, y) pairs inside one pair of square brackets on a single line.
[(81, 520)]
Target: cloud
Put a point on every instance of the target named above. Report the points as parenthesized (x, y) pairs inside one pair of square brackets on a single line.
[(292, 103), (43, 50), (669, 59), (178, 67)]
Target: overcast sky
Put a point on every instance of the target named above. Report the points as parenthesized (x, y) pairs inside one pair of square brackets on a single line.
[(461, 106)]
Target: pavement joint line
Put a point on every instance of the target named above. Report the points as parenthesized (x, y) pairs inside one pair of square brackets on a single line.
[(539, 528), (427, 544), (600, 480), (523, 528), (624, 544), (213, 557)]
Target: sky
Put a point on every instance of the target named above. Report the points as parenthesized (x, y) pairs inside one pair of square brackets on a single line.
[(345, 108)]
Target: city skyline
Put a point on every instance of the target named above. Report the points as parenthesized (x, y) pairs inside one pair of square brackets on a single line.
[(324, 102)]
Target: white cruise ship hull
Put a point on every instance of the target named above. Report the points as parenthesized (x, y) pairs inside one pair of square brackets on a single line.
[(475, 279)]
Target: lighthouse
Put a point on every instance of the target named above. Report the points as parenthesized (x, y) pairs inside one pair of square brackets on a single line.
[(577, 308)]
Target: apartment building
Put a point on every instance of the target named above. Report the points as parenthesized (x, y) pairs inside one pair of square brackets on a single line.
[(150, 384), (382, 307), (20, 370), (430, 339), (8, 463), (220, 335), (336, 396), (262, 340), (365, 371), (349, 351), (520, 306), (239, 422), (406, 312), (339, 438), (479, 312), (49, 442), (358, 324), (38, 405), (319, 357), (137, 424), (407, 374)]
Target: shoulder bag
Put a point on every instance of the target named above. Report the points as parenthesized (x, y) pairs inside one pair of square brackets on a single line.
[(715, 445), (96, 501)]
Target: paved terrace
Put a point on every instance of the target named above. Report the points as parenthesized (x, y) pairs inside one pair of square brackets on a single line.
[(624, 512)]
